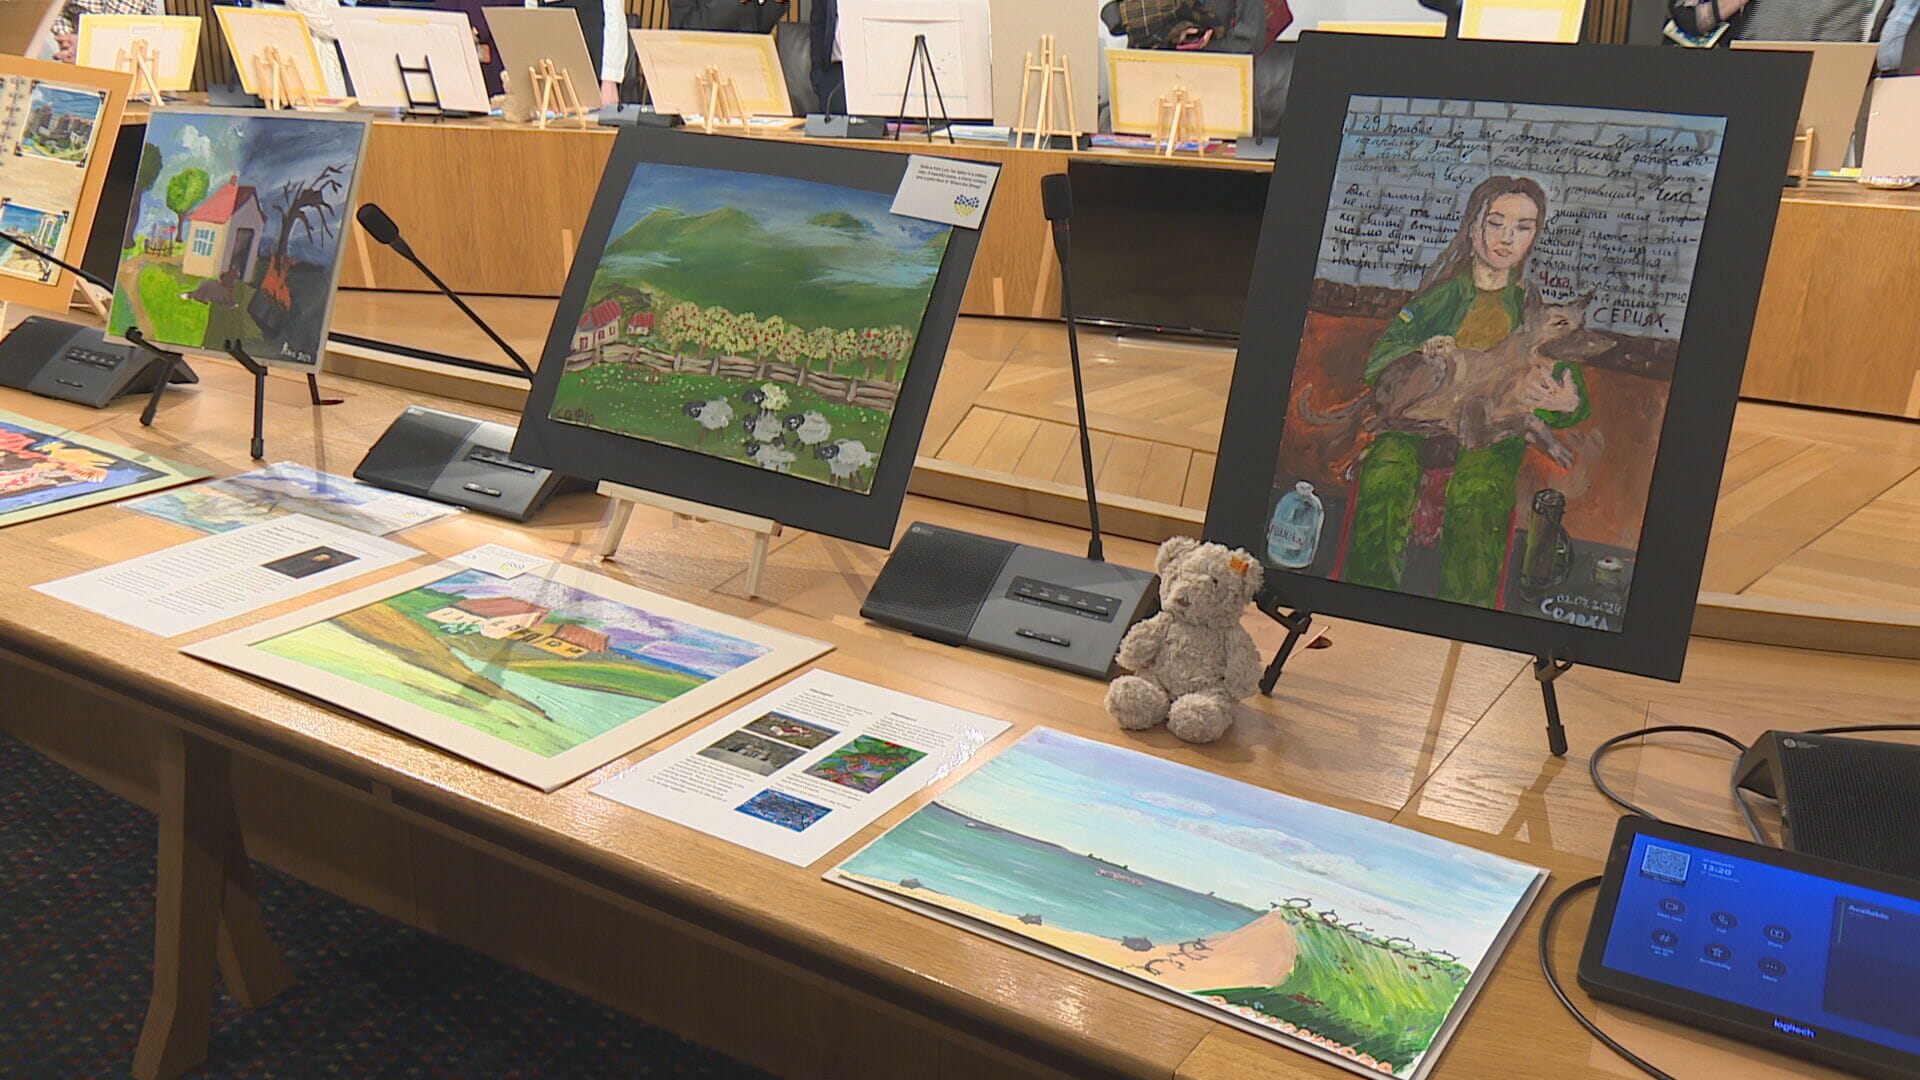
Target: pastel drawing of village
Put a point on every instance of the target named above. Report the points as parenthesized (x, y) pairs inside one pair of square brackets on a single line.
[(538, 664), (753, 318), (235, 232)]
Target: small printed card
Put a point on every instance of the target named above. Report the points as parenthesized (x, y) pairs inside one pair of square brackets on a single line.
[(947, 191)]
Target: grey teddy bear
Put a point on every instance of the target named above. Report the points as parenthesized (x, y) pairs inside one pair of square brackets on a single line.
[(1194, 660)]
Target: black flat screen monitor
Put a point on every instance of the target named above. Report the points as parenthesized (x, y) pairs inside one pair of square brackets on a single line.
[(1165, 247)]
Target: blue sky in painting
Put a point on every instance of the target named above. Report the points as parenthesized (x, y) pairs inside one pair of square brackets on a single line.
[(79, 103), (1203, 832), (264, 151), (777, 202)]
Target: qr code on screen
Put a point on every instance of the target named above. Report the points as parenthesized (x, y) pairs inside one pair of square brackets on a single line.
[(1665, 864)]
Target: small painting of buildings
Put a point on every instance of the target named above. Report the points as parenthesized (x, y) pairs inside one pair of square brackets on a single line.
[(496, 617), (570, 640), (223, 233), (598, 326)]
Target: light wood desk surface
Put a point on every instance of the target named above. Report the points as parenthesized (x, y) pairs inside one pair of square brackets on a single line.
[(768, 962)]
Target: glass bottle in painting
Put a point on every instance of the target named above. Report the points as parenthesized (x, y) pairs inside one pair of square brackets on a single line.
[(1293, 534)]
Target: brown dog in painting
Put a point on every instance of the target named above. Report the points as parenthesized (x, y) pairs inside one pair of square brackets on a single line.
[(1476, 396)]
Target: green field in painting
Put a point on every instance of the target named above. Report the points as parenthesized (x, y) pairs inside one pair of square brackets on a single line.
[(391, 647), (1377, 1000)]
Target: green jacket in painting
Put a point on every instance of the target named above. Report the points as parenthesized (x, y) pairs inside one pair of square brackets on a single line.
[(1440, 310)]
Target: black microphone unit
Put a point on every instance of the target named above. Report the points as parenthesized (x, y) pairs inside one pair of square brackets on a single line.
[(1055, 609), (445, 456), (59, 359)]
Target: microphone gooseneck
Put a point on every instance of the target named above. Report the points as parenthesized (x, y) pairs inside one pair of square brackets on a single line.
[(1056, 199), (385, 230)]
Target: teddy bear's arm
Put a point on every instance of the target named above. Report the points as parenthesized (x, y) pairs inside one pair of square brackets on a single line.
[(1142, 643), (1243, 666)]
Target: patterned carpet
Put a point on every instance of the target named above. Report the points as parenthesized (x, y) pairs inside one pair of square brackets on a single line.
[(374, 998)]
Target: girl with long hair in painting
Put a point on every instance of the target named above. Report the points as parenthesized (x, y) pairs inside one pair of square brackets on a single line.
[(1472, 298)]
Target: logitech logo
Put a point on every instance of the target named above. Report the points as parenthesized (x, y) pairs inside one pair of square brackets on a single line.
[(1792, 1028)]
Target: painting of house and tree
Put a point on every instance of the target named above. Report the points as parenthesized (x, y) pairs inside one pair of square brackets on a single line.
[(236, 231), (755, 318)]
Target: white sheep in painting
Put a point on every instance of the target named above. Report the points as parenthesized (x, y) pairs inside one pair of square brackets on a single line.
[(761, 426), (772, 455), (846, 459), (714, 416), (810, 427)]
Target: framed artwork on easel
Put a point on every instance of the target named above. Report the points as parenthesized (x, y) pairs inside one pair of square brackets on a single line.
[(1142, 81), (171, 41), (1495, 335), (57, 128), (535, 41), (683, 66), (264, 42), (400, 57), (951, 78)]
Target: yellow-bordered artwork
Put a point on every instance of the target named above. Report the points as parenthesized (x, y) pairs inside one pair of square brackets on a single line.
[(248, 31), (673, 60), (1432, 29), (1141, 78), (1523, 20), (106, 41)]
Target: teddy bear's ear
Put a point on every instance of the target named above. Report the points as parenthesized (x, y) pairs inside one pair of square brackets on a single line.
[(1249, 568), (1172, 552)]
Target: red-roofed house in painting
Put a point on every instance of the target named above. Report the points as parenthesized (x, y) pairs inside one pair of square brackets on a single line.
[(223, 232)]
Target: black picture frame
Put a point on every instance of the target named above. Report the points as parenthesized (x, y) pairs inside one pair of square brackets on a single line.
[(792, 501), (1760, 102)]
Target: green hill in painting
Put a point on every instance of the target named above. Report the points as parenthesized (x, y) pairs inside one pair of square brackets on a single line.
[(833, 271)]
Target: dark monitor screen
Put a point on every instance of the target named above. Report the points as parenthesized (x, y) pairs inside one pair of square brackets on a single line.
[(1165, 247)]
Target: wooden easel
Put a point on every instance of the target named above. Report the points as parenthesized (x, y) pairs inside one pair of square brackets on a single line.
[(1179, 120), (553, 90), (1803, 144), (143, 63), (89, 296), (720, 101), (1056, 90), (275, 72), (621, 512)]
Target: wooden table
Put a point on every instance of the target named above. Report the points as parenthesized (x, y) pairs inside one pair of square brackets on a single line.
[(760, 959)]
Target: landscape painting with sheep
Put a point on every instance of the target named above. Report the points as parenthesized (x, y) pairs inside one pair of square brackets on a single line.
[(759, 319)]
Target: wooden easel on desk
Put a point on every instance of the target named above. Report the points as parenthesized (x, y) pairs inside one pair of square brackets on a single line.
[(142, 63), (1803, 150), (720, 101), (624, 499), (275, 72), (553, 89), (1056, 91), (1179, 120)]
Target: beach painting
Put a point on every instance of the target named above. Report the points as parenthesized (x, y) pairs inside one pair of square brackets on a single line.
[(238, 225), (58, 124), (41, 228), (759, 319), (542, 675), (1348, 938), (47, 470)]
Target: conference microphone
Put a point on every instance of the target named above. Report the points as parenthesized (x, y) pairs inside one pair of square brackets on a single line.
[(1056, 201), (383, 229)]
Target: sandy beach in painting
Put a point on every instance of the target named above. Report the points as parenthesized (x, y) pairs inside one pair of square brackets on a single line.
[(1260, 953)]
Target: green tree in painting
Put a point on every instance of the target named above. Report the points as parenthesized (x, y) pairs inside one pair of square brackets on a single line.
[(143, 181), (896, 345), (184, 192)]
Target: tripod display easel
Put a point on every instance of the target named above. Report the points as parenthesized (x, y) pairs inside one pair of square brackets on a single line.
[(275, 72), (140, 61), (921, 63), (553, 90), (1055, 98), (1179, 121), (720, 101)]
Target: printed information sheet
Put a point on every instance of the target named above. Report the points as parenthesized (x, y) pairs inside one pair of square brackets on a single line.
[(196, 584), (798, 772)]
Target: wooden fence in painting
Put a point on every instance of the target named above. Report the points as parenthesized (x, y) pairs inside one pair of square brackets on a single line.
[(862, 393)]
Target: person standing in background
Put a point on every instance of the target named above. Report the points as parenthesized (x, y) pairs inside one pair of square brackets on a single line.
[(1899, 46), (1720, 22), (490, 65), (67, 26)]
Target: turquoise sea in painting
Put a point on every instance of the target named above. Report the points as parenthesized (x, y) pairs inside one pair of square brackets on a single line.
[(956, 855)]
